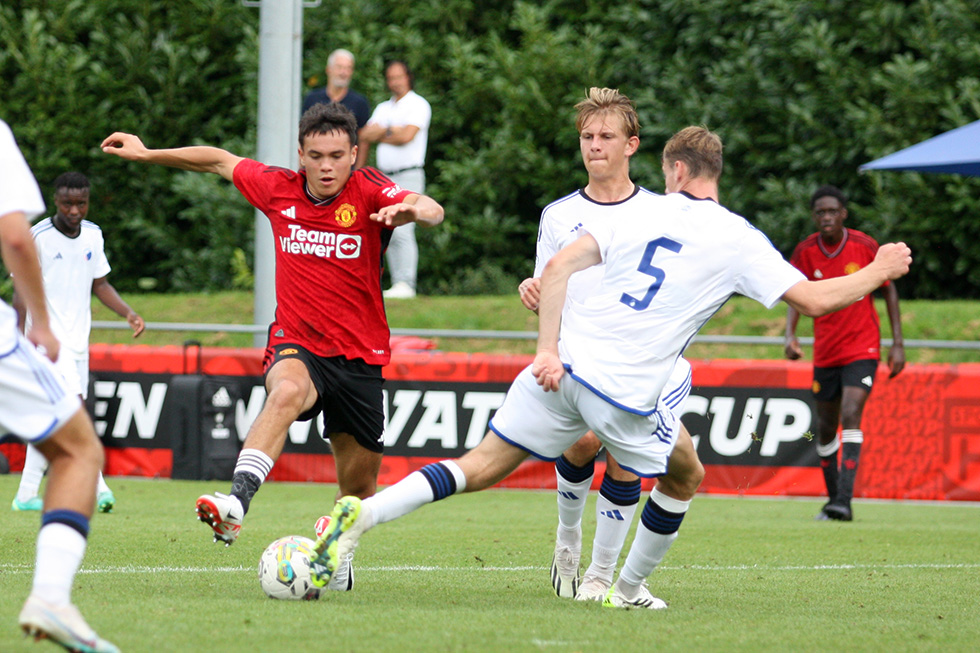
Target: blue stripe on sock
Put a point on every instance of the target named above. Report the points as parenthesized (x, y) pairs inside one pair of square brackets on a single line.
[(574, 474), (440, 479), (621, 493), (661, 521), (69, 518)]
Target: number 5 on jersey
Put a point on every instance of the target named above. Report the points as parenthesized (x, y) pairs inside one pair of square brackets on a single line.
[(646, 267)]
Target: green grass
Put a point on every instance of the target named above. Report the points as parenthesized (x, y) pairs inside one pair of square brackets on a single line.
[(471, 574), (921, 320)]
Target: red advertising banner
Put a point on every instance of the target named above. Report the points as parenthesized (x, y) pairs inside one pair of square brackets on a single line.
[(160, 414)]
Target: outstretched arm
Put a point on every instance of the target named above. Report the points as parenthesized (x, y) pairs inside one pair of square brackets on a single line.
[(197, 158), (20, 256), (815, 298), (579, 255), (420, 209), (107, 294), (896, 355)]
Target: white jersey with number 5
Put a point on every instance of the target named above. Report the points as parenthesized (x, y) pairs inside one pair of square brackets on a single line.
[(562, 223), (668, 268)]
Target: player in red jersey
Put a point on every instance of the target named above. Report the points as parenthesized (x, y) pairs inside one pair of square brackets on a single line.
[(330, 336), (845, 345)]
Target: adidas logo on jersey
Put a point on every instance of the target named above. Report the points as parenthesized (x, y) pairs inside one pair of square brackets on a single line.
[(290, 212), (612, 514), (58, 256)]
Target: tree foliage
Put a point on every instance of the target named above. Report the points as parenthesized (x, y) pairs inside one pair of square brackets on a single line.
[(801, 92)]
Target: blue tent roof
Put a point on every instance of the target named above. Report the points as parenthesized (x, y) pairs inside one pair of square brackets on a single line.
[(957, 151)]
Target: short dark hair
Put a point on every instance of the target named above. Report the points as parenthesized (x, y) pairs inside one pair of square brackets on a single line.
[(324, 118), (408, 70), (828, 191), (71, 180)]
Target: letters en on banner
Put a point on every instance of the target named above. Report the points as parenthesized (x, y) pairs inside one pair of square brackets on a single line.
[(751, 421)]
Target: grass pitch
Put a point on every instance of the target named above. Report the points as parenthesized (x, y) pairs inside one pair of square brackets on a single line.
[(471, 574)]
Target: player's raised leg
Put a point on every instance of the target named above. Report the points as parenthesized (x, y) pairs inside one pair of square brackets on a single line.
[(661, 518), (290, 393)]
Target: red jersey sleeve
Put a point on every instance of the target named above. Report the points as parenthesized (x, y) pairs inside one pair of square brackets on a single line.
[(384, 191)]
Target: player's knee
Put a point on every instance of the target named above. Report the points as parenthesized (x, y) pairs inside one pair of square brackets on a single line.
[(287, 395), (683, 485), (584, 450)]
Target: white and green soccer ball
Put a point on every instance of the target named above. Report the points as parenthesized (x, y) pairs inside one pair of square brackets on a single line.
[(284, 569)]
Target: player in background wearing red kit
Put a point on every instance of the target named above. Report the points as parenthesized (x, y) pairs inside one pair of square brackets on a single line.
[(845, 345), (330, 336)]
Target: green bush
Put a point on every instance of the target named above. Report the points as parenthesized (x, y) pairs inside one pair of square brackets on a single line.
[(801, 92)]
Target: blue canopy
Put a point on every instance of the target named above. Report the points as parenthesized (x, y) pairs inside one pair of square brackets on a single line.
[(957, 152)]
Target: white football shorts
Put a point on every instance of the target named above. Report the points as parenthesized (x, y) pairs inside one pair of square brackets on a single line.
[(34, 402), (545, 424), (75, 372)]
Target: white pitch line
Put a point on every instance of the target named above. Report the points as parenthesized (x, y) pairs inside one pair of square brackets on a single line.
[(135, 569)]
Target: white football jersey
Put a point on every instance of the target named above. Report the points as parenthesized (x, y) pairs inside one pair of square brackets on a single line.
[(562, 223), (69, 266), (18, 192), (669, 266)]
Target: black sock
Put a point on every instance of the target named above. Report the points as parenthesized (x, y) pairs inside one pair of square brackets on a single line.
[(828, 465), (850, 453), (244, 485)]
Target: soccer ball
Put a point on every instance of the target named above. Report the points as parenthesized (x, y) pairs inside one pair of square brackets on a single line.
[(284, 569)]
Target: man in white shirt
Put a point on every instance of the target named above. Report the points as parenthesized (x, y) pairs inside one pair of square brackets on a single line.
[(400, 127), (73, 261), (609, 129), (36, 407), (668, 268)]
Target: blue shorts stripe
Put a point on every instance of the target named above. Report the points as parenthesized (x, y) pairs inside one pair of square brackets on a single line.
[(515, 444)]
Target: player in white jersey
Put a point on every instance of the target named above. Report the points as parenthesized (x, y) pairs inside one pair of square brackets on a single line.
[(36, 407), (74, 265), (666, 272), (608, 136)]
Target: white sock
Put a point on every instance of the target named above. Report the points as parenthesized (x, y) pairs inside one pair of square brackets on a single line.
[(35, 465), (102, 485), (612, 525), (254, 462), (649, 547), (60, 549), (411, 493), (572, 498)]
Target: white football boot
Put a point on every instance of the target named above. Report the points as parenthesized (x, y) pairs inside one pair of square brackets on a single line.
[(223, 514), (63, 625), (643, 599)]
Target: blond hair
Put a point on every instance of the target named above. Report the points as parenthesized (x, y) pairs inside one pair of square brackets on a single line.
[(608, 101), (699, 148)]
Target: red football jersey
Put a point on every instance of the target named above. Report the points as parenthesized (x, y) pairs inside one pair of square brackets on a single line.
[(328, 259), (852, 333)]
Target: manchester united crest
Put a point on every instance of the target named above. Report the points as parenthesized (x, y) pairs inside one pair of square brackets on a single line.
[(346, 215), (852, 267)]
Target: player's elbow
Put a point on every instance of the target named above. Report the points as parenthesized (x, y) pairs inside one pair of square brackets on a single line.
[(808, 298)]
